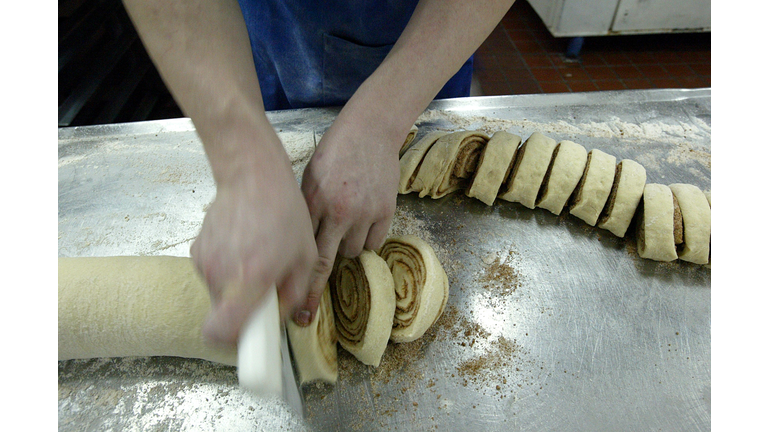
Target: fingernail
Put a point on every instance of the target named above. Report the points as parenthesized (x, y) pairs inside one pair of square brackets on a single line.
[(302, 317)]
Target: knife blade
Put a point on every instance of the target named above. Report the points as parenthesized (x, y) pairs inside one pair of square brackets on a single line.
[(264, 364)]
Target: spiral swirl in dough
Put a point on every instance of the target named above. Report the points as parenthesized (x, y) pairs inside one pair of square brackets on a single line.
[(449, 164), (363, 296), (421, 286)]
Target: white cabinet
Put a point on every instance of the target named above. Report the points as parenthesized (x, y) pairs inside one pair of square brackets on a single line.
[(608, 17)]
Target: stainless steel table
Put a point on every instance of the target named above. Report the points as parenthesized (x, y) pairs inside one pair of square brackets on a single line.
[(551, 324)]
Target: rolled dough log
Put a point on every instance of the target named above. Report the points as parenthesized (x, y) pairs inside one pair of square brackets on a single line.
[(412, 160), (450, 163), (408, 139), (627, 190), (494, 166), (592, 192), (420, 286), (314, 346), (134, 306), (697, 222), (563, 174), (656, 236), (363, 295), (529, 170)]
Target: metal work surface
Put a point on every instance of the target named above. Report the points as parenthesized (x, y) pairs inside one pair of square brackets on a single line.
[(551, 324)]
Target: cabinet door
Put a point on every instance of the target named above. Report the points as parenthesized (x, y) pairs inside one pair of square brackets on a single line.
[(650, 16), (576, 17)]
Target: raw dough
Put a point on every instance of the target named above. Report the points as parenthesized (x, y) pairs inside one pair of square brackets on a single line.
[(314, 346), (697, 221), (449, 164), (529, 170), (655, 236), (595, 186), (625, 196), (563, 174), (363, 295), (412, 160), (493, 167), (408, 139), (420, 286), (134, 306)]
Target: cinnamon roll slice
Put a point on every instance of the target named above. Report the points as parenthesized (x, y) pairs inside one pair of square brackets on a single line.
[(421, 286), (563, 175), (363, 297), (656, 227), (450, 163), (628, 185), (408, 139), (314, 346), (595, 186), (697, 228), (529, 170), (411, 161), (493, 167)]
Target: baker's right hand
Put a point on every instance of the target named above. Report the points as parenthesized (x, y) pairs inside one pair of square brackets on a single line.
[(256, 233)]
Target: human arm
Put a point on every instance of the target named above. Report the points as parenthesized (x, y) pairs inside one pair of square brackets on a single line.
[(257, 232), (351, 182)]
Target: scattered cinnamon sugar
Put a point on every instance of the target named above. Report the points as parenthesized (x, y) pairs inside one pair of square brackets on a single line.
[(500, 276)]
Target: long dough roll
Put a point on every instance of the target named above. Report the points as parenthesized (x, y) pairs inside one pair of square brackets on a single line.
[(420, 286), (595, 186), (563, 175), (314, 346), (450, 163), (625, 196), (133, 306), (529, 170), (493, 167), (697, 221), (412, 160), (363, 295), (656, 227)]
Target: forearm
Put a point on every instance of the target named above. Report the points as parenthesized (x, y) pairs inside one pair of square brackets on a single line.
[(438, 39), (202, 51)]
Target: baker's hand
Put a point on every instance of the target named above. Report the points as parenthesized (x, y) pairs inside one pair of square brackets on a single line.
[(256, 233), (350, 186)]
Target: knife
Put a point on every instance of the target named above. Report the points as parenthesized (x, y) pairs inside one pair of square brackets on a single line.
[(264, 360)]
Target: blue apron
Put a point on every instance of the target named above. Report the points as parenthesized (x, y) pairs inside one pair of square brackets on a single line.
[(315, 53)]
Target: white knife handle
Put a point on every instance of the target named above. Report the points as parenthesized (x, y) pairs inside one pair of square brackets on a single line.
[(259, 366)]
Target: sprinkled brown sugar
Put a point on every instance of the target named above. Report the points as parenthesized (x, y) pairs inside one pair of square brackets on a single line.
[(499, 275)]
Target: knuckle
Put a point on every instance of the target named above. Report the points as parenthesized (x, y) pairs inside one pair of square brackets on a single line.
[(349, 251), (324, 265)]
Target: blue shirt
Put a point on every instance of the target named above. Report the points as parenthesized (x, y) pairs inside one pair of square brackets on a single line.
[(317, 53)]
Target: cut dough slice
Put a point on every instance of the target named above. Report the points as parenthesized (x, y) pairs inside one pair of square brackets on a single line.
[(314, 346), (627, 190), (450, 163), (134, 306), (563, 174), (656, 227), (697, 223), (420, 286), (592, 192), (493, 167), (408, 139), (529, 170), (363, 295), (412, 160)]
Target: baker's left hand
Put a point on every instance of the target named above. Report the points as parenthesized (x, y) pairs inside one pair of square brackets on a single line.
[(350, 186)]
